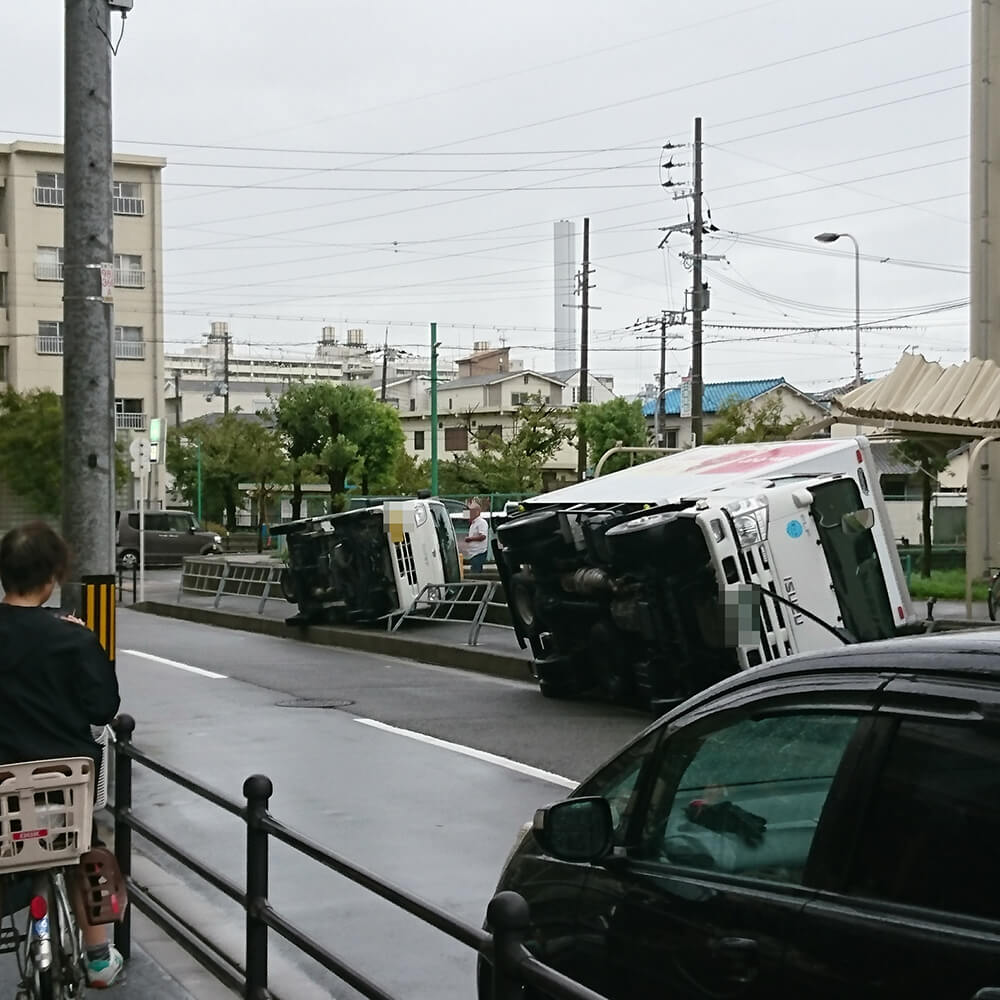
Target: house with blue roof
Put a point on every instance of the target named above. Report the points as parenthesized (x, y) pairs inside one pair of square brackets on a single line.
[(676, 419)]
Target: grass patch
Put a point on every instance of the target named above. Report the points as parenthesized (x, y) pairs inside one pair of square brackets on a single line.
[(946, 585)]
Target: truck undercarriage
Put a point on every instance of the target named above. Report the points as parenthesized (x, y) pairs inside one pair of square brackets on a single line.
[(619, 598)]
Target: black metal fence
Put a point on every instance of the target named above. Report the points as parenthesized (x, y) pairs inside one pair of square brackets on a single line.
[(512, 964)]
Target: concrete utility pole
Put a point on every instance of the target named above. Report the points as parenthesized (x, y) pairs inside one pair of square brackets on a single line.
[(983, 535), (225, 374), (434, 409), (88, 491), (697, 294), (581, 458), (385, 363)]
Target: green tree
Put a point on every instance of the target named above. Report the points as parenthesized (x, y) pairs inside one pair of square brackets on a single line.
[(605, 425), (31, 429), (514, 465), (233, 449), (266, 464), (337, 431), (31, 447), (404, 479), (929, 453), (742, 420)]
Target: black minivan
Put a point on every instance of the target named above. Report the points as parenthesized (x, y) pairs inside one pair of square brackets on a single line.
[(827, 827)]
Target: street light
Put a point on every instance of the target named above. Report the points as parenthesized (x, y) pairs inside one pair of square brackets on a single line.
[(832, 238)]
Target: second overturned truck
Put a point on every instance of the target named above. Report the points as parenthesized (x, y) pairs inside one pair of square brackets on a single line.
[(655, 582), (362, 566)]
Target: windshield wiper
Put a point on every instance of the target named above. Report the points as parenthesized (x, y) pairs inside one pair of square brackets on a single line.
[(844, 635)]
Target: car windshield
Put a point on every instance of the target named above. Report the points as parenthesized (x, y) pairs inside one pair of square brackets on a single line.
[(854, 563), (446, 541)]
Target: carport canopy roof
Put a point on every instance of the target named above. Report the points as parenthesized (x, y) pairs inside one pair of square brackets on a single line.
[(921, 395)]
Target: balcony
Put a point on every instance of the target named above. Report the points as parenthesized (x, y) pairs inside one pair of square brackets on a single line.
[(129, 278), (48, 344), (128, 206), (130, 350), (130, 421), (48, 270), (49, 196)]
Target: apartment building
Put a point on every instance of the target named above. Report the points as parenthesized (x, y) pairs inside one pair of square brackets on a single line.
[(32, 189)]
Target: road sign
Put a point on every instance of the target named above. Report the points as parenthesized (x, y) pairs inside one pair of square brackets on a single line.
[(156, 426), (107, 282)]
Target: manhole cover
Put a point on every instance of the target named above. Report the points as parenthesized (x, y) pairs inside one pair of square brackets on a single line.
[(314, 703)]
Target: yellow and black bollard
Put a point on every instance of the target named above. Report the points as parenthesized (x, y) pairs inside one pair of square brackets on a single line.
[(99, 610)]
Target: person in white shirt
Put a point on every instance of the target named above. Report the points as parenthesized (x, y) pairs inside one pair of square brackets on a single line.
[(475, 544)]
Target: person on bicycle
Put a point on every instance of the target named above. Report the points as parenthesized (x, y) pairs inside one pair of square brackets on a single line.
[(56, 681)]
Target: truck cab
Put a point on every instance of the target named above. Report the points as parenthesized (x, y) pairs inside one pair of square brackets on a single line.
[(360, 566), (655, 582)]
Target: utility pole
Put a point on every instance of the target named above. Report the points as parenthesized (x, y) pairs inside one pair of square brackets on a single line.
[(434, 410), (385, 361), (177, 397), (225, 373), (88, 491), (661, 405), (697, 295), (581, 459)]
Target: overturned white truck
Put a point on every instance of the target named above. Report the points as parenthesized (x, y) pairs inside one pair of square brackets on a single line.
[(360, 566), (655, 582)]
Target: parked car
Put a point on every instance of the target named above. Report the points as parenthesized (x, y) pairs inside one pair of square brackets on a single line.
[(170, 536), (826, 826)]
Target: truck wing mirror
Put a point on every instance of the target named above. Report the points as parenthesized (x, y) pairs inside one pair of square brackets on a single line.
[(858, 521)]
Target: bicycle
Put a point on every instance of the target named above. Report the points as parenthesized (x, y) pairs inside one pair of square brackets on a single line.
[(46, 812), (993, 597)]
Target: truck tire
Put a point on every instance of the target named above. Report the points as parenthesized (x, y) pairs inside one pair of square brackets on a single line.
[(638, 540), (560, 677), (521, 603), (287, 585), (523, 532)]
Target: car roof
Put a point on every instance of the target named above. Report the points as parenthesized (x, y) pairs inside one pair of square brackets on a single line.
[(973, 653)]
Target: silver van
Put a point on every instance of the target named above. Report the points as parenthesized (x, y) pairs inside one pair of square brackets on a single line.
[(170, 536)]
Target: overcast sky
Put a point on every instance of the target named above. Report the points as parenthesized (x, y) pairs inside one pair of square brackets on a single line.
[(393, 163)]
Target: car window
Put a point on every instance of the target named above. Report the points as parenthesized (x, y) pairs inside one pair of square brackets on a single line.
[(179, 522), (133, 521), (618, 781), (932, 835), (746, 798), (156, 522)]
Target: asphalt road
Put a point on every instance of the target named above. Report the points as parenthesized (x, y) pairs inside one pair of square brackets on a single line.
[(421, 774)]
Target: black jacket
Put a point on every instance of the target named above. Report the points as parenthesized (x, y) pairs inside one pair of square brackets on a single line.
[(55, 682)]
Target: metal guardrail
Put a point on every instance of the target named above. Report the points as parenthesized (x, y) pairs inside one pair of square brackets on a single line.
[(441, 601), (218, 578), (513, 966)]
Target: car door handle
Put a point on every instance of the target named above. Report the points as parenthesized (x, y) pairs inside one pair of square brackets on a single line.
[(740, 955), (987, 993)]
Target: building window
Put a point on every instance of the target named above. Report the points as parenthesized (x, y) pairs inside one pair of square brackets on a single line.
[(672, 438), (449, 402), (456, 439), (4, 350), (3, 289), (129, 345), (49, 263), (525, 379), (129, 415), (50, 337), (127, 198), (520, 398), (418, 440), (575, 400), (49, 189), (413, 405), (128, 271)]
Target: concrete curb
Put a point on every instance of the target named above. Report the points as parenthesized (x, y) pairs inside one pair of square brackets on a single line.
[(408, 647)]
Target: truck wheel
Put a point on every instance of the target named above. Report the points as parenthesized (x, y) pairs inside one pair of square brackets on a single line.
[(521, 602), (522, 532), (638, 540), (288, 587)]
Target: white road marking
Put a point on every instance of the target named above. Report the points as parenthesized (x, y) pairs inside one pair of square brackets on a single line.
[(489, 758), (211, 674)]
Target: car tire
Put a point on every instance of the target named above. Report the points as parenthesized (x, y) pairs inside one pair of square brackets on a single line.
[(129, 560), (638, 540)]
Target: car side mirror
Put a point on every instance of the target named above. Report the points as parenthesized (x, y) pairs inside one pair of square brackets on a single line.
[(858, 521), (575, 829)]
